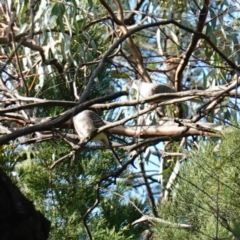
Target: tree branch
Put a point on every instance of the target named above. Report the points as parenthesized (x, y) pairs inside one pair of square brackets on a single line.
[(192, 45), (58, 120)]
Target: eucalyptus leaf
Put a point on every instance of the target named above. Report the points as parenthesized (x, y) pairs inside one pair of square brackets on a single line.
[(116, 74)]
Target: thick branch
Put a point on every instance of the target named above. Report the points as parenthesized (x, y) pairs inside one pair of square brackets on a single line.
[(154, 131), (58, 120), (133, 49), (192, 45)]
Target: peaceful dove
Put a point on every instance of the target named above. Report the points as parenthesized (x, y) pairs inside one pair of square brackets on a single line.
[(146, 89), (86, 124)]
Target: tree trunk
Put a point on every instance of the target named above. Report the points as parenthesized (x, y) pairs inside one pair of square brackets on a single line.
[(19, 220)]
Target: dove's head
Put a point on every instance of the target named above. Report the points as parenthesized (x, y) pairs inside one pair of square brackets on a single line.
[(136, 84), (133, 88)]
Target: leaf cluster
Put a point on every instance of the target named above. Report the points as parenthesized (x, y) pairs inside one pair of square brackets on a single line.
[(206, 196)]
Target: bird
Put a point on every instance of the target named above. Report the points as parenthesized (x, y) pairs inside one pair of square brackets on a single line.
[(146, 89), (86, 124)]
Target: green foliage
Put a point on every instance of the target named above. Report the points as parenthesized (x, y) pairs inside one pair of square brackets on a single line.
[(115, 199), (102, 232), (76, 34), (206, 196), (65, 193)]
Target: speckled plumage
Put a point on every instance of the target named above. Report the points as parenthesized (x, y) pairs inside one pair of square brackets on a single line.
[(145, 89), (86, 124)]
